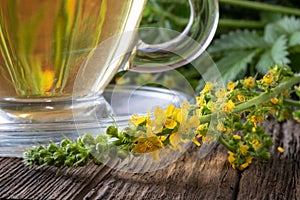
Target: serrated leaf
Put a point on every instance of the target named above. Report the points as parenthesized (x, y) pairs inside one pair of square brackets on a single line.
[(271, 33), (285, 26), (288, 25), (231, 67), (237, 40), (279, 51), (277, 54), (294, 39), (235, 64), (264, 63)]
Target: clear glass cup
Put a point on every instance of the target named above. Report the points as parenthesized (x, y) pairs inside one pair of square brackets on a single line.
[(58, 56)]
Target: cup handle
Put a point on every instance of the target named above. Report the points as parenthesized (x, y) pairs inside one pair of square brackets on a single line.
[(184, 48)]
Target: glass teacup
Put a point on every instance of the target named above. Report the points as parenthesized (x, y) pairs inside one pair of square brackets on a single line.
[(48, 45)]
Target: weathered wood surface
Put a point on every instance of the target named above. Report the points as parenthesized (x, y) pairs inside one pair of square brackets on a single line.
[(187, 178)]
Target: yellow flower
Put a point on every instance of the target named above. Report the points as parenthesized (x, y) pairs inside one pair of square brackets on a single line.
[(244, 150), (237, 137), (170, 124), (227, 107), (169, 110), (173, 113), (249, 82), (159, 115), (193, 122), (185, 126), (280, 149), (175, 139), (200, 100), (202, 128), (221, 93), (208, 87), (274, 100), (231, 157), (137, 120), (246, 164), (240, 98), (177, 115), (181, 115), (150, 145), (147, 145), (256, 144), (162, 138), (231, 86), (221, 127), (256, 119), (159, 120), (268, 79)]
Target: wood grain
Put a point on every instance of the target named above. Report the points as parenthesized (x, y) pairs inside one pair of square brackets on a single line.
[(280, 177), (190, 177)]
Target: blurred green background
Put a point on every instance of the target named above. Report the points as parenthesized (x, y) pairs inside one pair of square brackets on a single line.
[(249, 39)]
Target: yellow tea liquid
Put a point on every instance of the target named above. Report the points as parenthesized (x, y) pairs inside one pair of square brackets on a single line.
[(43, 43)]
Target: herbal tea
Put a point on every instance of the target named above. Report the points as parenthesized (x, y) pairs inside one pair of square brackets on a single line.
[(44, 43)]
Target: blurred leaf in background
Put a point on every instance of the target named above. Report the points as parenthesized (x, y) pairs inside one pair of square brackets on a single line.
[(251, 35)]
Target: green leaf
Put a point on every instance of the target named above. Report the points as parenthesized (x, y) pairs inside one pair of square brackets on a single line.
[(235, 64), (271, 33), (288, 25), (265, 62), (294, 39), (231, 67), (285, 26), (279, 51), (237, 40), (277, 54)]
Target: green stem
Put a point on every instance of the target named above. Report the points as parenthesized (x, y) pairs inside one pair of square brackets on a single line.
[(225, 144), (292, 102), (264, 97), (240, 23), (206, 118), (262, 6)]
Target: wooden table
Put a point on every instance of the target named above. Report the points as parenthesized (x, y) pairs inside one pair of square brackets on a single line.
[(188, 178)]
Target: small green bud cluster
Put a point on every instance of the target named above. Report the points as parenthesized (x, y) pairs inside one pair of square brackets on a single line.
[(67, 153)]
